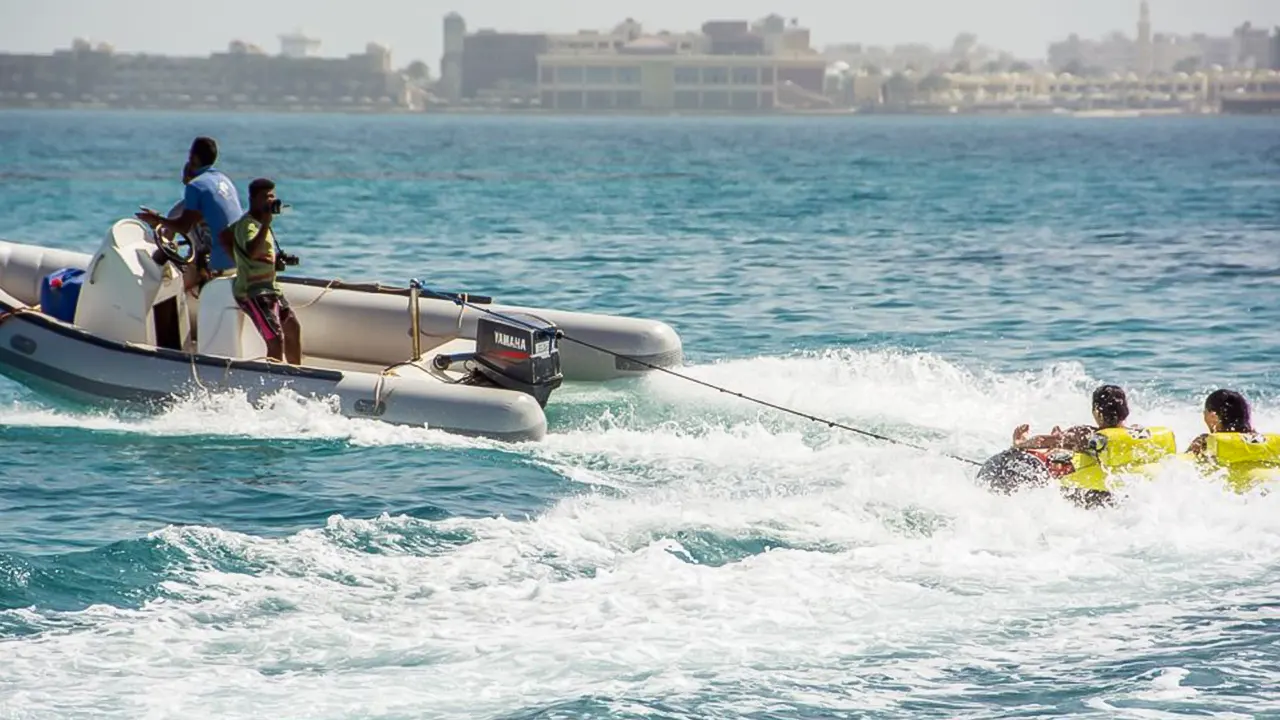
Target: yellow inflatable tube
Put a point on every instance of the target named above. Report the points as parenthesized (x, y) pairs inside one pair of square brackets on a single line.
[(1119, 451), (1244, 460), (1250, 459)]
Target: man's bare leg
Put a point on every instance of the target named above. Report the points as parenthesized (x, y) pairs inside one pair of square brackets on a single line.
[(293, 340)]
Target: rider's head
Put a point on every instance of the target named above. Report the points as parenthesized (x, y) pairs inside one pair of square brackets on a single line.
[(1227, 411), (262, 193), (204, 152), (1110, 406), (188, 172)]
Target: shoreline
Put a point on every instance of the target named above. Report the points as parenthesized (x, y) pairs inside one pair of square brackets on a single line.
[(928, 111)]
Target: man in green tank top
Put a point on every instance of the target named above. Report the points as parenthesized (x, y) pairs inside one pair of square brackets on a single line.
[(251, 242)]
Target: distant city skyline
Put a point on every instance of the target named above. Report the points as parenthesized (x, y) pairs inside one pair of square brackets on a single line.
[(412, 30)]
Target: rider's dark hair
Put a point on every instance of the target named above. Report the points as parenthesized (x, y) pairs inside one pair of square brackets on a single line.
[(205, 150), (1232, 410), (1111, 404)]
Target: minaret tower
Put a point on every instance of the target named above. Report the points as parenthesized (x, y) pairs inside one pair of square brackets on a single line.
[(1144, 40)]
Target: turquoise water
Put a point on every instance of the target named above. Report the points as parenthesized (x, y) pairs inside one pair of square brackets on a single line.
[(668, 552)]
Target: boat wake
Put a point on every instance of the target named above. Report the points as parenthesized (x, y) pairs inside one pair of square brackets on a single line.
[(282, 415), (915, 397), (716, 559)]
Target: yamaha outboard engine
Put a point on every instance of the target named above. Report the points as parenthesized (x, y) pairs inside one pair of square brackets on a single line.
[(522, 355)]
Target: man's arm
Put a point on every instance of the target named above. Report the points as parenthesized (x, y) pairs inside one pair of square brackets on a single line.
[(1197, 446), (182, 223), (227, 239), (1039, 442), (1076, 438), (257, 245)]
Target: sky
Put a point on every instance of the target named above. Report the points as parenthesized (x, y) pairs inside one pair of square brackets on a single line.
[(412, 28)]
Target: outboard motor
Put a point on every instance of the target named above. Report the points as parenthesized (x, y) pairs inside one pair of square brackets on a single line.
[(522, 356), (519, 357)]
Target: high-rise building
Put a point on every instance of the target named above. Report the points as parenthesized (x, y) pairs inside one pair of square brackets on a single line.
[(1145, 55), (455, 35), (1252, 47), (502, 63)]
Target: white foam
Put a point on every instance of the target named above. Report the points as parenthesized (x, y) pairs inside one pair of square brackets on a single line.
[(281, 415), (891, 576)]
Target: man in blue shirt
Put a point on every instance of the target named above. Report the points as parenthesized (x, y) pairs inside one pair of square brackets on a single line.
[(210, 204)]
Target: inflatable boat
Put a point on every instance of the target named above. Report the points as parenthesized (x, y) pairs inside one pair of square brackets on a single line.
[(118, 326), (1114, 455)]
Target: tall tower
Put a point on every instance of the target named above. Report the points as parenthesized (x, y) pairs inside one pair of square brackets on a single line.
[(1145, 50), (455, 34)]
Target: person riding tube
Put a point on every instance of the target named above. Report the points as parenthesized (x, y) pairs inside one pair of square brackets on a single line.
[(1232, 444), (1083, 460)]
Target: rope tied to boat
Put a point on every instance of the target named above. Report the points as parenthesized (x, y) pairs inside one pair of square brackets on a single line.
[(195, 372), (329, 286), (19, 310), (560, 334), (389, 371)]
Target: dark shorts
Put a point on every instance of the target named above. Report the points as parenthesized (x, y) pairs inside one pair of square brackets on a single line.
[(268, 313)]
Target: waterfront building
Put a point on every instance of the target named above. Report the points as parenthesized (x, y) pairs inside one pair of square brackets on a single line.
[(730, 66), (243, 75)]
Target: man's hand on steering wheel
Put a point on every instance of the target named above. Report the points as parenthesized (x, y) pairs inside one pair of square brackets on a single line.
[(172, 249), (149, 216)]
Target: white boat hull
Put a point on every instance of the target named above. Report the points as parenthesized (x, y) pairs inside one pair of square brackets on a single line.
[(328, 310), (136, 337), (56, 356)]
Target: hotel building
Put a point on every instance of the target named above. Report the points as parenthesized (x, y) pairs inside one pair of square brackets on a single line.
[(728, 67), (731, 66)]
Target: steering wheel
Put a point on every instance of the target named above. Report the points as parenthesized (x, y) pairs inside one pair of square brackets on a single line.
[(172, 249)]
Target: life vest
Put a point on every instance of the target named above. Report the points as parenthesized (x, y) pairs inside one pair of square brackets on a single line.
[(1249, 458), (1131, 450)]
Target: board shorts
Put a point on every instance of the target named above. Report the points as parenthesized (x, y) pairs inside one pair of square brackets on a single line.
[(268, 312)]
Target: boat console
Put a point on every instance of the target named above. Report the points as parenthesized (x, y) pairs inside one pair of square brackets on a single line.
[(127, 296), (225, 330)]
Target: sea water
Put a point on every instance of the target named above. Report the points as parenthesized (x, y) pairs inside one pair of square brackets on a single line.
[(669, 551)]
